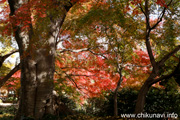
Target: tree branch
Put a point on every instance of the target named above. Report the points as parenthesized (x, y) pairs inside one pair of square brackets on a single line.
[(70, 78), (83, 75), (11, 6), (100, 54), (3, 80), (75, 51), (73, 82), (166, 76), (83, 50), (3, 58), (140, 6), (160, 17), (161, 62), (151, 56), (119, 81), (147, 14), (147, 37)]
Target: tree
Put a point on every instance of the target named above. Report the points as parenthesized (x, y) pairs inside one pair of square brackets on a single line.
[(85, 72), (112, 35), (37, 29), (108, 31), (157, 73), (151, 30), (36, 25)]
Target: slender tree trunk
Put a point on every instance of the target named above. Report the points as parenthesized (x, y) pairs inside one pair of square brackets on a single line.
[(116, 93), (142, 94), (115, 105), (156, 65), (144, 89), (141, 98)]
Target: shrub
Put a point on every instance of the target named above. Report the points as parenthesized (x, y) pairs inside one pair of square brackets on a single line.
[(157, 101)]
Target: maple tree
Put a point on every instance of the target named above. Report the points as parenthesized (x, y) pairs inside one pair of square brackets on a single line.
[(90, 75), (35, 25), (87, 74), (108, 58), (117, 46), (156, 74), (37, 28), (146, 28)]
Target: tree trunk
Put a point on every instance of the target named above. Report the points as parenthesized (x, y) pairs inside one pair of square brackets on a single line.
[(141, 98), (115, 105), (37, 71), (36, 85), (37, 55), (116, 92), (142, 94)]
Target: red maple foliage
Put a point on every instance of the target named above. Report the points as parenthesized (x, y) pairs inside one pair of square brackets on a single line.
[(93, 75)]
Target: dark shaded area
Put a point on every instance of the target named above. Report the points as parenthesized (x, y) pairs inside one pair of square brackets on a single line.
[(11, 5), (177, 76), (158, 101)]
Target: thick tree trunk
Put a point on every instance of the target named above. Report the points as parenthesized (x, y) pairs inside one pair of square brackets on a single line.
[(36, 85), (37, 61)]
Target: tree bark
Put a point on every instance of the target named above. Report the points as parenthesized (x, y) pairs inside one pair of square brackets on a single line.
[(115, 105), (148, 83), (156, 65), (37, 63), (142, 94), (36, 85), (116, 93)]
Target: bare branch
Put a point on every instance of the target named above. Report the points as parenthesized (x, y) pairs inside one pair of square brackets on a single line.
[(147, 14), (73, 81), (140, 6), (75, 51), (83, 75), (3, 80), (85, 49), (3, 58), (100, 54), (166, 76), (151, 56), (147, 37), (134, 65), (161, 62), (119, 81), (148, 30), (160, 17), (70, 78)]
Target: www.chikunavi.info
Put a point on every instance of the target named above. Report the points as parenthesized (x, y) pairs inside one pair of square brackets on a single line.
[(151, 115)]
